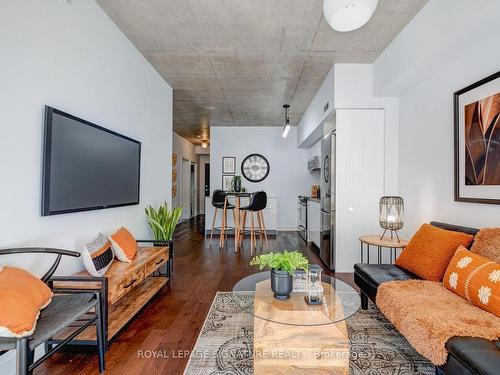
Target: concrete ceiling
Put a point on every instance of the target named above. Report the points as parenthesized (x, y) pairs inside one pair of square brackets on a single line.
[(236, 62)]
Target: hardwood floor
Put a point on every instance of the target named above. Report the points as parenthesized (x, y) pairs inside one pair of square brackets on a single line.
[(170, 323)]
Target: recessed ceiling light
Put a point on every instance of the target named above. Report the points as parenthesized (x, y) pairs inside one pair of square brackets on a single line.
[(204, 144), (198, 136), (211, 107)]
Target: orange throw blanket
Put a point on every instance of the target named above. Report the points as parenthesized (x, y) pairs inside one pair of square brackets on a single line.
[(427, 315)]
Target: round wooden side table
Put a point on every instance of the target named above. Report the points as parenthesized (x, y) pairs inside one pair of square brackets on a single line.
[(390, 243)]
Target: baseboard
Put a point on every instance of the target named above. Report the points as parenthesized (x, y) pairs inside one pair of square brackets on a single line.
[(230, 232), (288, 228)]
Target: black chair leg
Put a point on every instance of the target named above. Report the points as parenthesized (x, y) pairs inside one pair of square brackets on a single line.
[(364, 301), (22, 357), (101, 347)]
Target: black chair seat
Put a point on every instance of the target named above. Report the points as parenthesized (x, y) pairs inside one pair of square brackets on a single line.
[(479, 354), (221, 205), (61, 312)]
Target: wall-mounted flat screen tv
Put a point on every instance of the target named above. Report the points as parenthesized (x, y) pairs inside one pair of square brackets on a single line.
[(86, 167)]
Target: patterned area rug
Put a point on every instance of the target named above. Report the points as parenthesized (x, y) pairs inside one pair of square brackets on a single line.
[(225, 344)]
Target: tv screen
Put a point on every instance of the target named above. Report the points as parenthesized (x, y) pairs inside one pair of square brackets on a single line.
[(87, 167)]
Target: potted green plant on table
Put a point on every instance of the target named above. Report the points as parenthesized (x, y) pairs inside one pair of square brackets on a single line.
[(162, 222), (283, 266)]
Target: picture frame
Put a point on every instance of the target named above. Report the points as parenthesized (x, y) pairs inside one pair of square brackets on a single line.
[(228, 165), (226, 182), (476, 110)]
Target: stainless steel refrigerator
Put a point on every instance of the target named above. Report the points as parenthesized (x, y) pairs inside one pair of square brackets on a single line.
[(327, 191)]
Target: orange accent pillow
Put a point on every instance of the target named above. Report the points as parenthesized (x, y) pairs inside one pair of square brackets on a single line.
[(430, 250), (475, 278), (124, 245), (22, 297), (487, 243)]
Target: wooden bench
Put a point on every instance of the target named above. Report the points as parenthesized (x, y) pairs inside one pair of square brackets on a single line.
[(126, 288)]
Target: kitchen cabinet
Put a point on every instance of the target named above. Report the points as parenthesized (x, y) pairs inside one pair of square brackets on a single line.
[(313, 221)]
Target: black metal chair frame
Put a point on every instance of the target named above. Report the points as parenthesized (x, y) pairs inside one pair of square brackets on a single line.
[(24, 356)]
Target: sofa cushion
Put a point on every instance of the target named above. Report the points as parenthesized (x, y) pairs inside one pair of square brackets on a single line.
[(483, 356), (379, 273), (428, 315), (475, 278), (487, 244), (430, 250)]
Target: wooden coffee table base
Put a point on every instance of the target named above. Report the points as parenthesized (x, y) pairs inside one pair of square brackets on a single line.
[(288, 349)]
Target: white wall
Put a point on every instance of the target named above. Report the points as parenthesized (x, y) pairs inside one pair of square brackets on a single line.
[(426, 107), (184, 150), (320, 108), (440, 33), (288, 176), (74, 58)]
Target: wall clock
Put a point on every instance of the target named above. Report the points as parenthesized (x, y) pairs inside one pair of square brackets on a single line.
[(255, 168)]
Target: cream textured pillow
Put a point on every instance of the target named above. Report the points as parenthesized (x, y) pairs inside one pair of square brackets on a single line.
[(22, 297), (487, 243)]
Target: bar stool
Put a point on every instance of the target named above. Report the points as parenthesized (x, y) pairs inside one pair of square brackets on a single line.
[(219, 202), (258, 202)]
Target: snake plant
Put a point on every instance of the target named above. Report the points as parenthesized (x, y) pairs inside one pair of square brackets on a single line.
[(163, 221)]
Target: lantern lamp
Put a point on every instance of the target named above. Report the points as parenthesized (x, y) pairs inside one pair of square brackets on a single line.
[(391, 215)]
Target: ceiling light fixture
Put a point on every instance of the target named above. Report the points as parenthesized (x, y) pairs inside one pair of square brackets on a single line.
[(348, 15), (204, 144), (286, 123)]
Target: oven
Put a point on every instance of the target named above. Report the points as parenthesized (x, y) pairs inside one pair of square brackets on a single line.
[(302, 217)]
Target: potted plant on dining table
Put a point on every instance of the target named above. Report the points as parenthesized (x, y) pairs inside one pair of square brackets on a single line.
[(283, 266)]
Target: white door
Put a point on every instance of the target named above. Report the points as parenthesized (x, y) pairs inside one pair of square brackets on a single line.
[(186, 189), (360, 170)]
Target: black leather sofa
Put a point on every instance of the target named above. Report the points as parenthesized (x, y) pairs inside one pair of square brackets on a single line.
[(467, 355)]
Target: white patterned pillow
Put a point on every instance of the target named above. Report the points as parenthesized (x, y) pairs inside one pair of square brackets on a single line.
[(98, 255)]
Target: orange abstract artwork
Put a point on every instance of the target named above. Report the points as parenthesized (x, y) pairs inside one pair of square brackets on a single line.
[(482, 141)]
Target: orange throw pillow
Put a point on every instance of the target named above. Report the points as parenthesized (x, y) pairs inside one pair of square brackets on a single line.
[(22, 297), (475, 278), (430, 250), (487, 243), (124, 245)]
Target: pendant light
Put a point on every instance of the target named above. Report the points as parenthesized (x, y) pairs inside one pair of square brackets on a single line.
[(286, 123), (348, 15)]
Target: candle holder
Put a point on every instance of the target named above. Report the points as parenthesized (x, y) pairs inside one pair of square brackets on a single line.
[(391, 215)]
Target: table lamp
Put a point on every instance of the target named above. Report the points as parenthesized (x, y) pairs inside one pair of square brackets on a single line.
[(391, 215)]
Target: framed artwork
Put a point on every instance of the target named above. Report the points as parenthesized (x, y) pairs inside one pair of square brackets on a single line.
[(228, 165), (227, 181), (477, 142)]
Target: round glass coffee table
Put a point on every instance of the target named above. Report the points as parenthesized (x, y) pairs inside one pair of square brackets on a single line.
[(293, 337)]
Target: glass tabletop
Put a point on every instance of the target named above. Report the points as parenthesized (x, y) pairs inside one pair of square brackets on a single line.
[(253, 294)]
